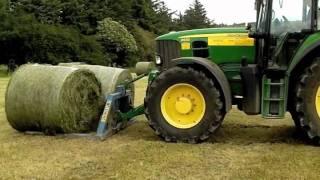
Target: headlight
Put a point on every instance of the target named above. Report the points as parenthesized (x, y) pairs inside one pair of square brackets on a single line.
[(158, 60)]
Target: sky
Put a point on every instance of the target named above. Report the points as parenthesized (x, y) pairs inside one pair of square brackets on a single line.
[(221, 11)]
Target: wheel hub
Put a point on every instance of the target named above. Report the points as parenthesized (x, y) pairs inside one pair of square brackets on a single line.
[(318, 101), (183, 106)]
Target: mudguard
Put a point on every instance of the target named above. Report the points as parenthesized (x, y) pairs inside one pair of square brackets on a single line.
[(309, 46)]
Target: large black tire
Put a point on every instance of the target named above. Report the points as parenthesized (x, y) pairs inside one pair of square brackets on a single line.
[(304, 111), (211, 120)]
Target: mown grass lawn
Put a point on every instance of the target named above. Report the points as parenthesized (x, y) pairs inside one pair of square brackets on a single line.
[(246, 147)]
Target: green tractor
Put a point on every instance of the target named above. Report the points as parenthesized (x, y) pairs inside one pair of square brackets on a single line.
[(269, 69)]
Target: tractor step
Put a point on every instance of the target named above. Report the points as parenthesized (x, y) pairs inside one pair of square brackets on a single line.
[(274, 91)]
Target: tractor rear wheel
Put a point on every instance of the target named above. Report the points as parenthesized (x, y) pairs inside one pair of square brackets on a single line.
[(306, 112), (184, 105)]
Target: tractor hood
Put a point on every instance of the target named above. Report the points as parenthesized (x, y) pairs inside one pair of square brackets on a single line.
[(176, 35)]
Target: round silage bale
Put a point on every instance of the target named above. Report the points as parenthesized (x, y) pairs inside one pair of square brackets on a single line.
[(53, 99), (70, 64), (144, 67), (110, 78)]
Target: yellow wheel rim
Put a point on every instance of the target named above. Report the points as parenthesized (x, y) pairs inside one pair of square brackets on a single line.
[(183, 106), (318, 101)]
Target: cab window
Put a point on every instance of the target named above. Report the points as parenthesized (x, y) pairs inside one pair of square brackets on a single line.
[(291, 17)]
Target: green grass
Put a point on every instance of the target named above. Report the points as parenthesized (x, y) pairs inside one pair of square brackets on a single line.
[(245, 147)]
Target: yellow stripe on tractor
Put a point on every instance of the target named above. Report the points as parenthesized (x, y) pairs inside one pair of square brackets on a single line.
[(225, 39)]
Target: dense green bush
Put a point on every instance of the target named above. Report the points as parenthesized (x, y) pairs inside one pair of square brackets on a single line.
[(53, 31), (80, 14), (3, 5), (146, 44), (115, 35), (122, 48), (43, 43), (117, 40)]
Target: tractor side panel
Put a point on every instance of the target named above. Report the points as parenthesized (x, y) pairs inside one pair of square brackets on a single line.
[(226, 54), (223, 48), (231, 54)]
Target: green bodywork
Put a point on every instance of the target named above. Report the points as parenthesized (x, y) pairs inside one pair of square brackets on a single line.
[(311, 43), (228, 57), (218, 54)]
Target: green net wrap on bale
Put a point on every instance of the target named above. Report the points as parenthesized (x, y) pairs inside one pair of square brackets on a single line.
[(53, 99), (109, 77)]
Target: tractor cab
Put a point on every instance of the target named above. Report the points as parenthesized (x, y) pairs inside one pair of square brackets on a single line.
[(280, 28)]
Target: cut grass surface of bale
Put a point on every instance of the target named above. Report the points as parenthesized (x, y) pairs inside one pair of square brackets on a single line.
[(244, 148), (109, 77)]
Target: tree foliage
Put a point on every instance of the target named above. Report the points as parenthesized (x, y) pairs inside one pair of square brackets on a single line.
[(93, 31), (116, 39), (43, 43), (115, 35), (196, 16), (82, 14)]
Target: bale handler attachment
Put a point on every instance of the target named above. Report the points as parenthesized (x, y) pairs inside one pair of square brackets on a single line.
[(119, 110)]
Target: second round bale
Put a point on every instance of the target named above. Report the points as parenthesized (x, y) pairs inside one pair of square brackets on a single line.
[(109, 77)]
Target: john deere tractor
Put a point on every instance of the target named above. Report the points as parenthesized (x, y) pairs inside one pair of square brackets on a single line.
[(269, 69)]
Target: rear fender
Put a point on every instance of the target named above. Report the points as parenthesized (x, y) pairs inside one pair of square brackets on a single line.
[(306, 53)]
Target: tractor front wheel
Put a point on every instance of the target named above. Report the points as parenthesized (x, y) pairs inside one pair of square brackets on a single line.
[(184, 105), (306, 112)]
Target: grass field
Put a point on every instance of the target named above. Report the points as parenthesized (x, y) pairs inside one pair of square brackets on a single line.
[(245, 147)]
